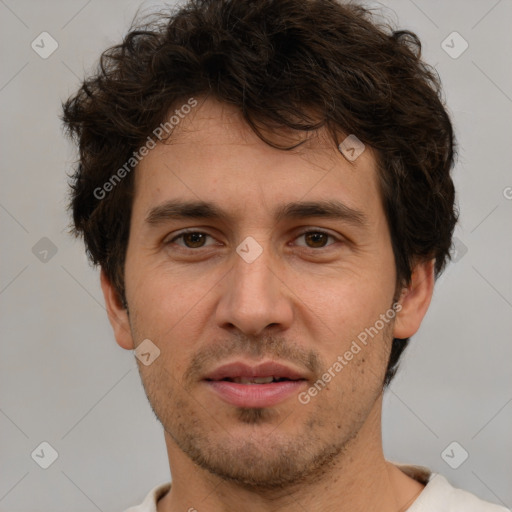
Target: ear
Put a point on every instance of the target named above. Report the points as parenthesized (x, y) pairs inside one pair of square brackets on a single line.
[(117, 314), (415, 300)]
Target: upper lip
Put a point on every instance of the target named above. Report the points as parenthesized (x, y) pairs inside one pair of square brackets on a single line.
[(244, 370)]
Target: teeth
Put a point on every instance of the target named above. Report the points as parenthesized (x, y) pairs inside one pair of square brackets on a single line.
[(255, 380)]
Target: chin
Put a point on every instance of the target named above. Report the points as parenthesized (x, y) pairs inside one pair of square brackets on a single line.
[(257, 452)]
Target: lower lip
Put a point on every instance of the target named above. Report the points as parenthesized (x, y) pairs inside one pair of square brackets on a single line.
[(255, 395)]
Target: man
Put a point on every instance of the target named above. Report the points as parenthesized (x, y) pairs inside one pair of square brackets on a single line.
[(266, 187)]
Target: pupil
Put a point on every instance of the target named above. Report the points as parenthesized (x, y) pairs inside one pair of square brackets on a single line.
[(194, 239), (318, 239)]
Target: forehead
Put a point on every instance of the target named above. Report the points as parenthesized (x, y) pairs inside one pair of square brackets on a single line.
[(213, 155)]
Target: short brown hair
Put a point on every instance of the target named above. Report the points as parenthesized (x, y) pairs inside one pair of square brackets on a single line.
[(277, 61)]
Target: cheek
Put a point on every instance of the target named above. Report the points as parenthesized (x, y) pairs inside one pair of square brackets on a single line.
[(356, 371), (355, 345), (169, 309), (347, 303), (162, 297)]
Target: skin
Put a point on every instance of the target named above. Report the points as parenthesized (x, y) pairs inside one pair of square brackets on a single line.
[(301, 302)]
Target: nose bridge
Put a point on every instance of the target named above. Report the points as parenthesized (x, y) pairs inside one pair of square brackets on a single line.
[(253, 267), (253, 279), (253, 297)]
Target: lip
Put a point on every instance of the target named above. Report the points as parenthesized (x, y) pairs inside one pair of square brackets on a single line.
[(255, 395), (266, 369)]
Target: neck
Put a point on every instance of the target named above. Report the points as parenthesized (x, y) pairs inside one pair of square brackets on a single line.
[(359, 479)]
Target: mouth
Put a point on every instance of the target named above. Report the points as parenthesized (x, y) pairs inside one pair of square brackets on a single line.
[(263, 385), (256, 380)]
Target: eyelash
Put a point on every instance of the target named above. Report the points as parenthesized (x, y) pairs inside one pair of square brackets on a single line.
[(306, 232)]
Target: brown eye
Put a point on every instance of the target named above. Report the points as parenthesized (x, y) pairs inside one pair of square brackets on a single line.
[(194, 240), (190, 240), (316, 239)]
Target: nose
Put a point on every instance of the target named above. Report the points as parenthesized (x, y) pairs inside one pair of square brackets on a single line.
[(254, 297)]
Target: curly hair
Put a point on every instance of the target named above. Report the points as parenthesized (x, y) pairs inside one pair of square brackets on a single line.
[(285, 65)]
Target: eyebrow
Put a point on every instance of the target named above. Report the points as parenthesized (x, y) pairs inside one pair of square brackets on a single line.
[(330, 209)]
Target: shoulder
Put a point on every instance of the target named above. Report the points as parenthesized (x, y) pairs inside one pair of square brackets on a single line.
[(440, 496), (150, 501)]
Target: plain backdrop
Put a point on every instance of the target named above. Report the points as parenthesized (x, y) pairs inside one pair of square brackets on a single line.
[(64, 380)]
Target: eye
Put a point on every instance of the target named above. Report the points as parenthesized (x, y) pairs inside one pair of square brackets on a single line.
[(191, 239), (315, 239)]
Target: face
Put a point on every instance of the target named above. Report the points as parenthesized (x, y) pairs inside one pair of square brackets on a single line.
[(290, 301)]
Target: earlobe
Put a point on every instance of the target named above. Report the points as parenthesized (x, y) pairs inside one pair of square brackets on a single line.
[(117, 314), (415, 300)]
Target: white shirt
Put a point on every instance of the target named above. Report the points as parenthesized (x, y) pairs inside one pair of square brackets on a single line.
[(437, 496)]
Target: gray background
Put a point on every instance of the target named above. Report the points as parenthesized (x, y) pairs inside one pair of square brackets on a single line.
[(64, 380)]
